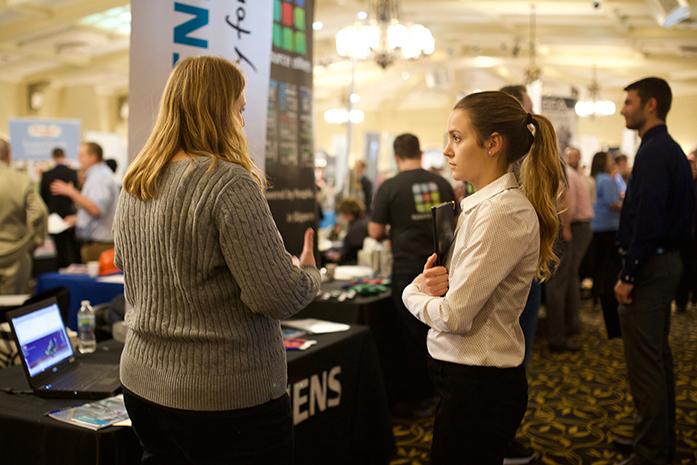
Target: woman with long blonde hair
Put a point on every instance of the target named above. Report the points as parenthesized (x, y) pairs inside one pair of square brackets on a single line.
[(208, 278), (504, 238)]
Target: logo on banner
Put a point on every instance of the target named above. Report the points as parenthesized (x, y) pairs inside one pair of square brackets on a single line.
[(313, 395), (289, 26), (183, 31), (45, 130), (200, 18)]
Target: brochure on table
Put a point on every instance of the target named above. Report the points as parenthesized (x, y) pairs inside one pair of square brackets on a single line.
[(95, 415)]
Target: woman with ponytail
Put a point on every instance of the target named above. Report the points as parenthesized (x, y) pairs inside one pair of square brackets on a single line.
[(504, 238)]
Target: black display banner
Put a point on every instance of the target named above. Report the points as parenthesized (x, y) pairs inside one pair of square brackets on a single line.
[(289, 145)]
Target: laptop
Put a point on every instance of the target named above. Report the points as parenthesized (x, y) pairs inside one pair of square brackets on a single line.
[(49, 360)]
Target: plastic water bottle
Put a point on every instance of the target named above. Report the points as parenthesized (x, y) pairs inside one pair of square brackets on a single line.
[(87, 342)]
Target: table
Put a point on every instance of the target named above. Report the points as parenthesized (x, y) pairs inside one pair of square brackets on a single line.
[(378, 313), (350, 425), (356, 311), (361, 310), (81, 287)]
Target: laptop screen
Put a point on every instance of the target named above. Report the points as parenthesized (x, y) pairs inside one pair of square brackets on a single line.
[(42, 339)]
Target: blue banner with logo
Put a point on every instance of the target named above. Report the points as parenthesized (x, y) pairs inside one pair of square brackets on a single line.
[(34, 139)]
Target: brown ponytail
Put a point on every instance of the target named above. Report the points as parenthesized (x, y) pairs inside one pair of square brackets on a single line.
[(542, 172), (543, 177)]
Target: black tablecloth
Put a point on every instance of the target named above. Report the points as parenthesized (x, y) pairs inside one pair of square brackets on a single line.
[(349, 311), (338, 404), (376, 312)]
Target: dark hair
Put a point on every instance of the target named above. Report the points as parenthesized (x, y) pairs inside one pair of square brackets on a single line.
[(599, 163), (4, 150), (621, 157), (517, 91), (407, 146), (57, 153), (112, 164), (351, 207), (95, 149), (542, 171), (656, 88)]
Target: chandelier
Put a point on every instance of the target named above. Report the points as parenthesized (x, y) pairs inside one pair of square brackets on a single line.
[(532, 72), (384, 37), (593, 107)]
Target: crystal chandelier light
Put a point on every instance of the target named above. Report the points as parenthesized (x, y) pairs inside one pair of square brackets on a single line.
[(594, 107), (384, 37), (532, 72)]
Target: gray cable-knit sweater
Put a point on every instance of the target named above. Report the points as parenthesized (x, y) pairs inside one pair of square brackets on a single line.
[(208, 278)]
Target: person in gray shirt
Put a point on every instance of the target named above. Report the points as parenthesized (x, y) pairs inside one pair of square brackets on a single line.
[(204, 368), (96, 203)]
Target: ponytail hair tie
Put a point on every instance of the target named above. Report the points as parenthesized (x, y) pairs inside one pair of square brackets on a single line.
[(530, 120)]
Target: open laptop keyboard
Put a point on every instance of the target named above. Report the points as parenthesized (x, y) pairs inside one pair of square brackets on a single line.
[(81, 380)]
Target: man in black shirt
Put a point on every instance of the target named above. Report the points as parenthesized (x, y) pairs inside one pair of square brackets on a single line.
[(404, 204), (67, 250), (655, 223)]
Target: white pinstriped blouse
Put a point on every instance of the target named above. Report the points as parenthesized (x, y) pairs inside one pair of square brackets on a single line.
[(491, 266)]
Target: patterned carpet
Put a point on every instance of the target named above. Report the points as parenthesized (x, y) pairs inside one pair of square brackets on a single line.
[(579, 402)]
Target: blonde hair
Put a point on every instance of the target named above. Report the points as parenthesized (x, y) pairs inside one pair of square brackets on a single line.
[(196, 116), (542, 170)]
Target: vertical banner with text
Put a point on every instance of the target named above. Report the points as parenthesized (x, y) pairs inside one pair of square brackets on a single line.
[(560, 111), (289, 144), (165, 31)]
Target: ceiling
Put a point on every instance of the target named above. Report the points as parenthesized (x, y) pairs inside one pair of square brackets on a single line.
[(479, 44)]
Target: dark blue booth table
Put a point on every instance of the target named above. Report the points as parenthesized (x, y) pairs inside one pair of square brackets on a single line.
[(81, 287)]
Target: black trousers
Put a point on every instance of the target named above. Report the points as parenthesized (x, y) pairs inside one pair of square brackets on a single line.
[(687, 288), (645, 332), (67, 248), (413, 382), (479, 412), (608, 264), (261, 435)]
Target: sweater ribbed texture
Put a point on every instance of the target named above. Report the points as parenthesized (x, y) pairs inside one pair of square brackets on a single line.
[(208, 277)]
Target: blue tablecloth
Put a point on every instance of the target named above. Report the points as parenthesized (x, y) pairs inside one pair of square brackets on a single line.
[(81, 287)]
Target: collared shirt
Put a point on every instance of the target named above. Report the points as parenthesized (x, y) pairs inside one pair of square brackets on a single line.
[(491, 265), (101, 189), (659, 206), (580, 202), (606, 219)]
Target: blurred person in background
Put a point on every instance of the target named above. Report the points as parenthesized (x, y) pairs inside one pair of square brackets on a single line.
[(96, 202), (521, 94), (563, 288), (352, 217), (606, 222), (624, 171), (360, 187), (687, 289), (23, 223), (67, 248)]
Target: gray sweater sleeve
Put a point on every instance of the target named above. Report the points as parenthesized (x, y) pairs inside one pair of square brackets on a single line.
[(256, 256)]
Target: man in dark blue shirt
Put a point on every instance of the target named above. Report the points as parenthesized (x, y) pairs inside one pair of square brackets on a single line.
[(656, 221)]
